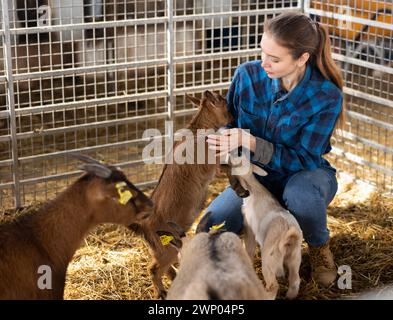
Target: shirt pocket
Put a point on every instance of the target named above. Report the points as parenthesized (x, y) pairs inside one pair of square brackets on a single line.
[(254, 122)]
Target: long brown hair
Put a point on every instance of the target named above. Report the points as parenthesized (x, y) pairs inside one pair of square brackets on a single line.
[(298, 33)]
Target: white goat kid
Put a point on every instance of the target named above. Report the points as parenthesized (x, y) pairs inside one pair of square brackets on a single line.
[(274, 228)]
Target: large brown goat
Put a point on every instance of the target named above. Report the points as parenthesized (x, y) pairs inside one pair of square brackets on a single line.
[(48, 239), (181, 191)]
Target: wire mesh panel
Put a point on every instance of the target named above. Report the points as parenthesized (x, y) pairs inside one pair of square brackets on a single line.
[(220, 35), (361, 33), (91, 75)]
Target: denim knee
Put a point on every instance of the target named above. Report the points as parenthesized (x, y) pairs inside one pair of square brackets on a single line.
[(307, 195), (226, 208), (303, 198)]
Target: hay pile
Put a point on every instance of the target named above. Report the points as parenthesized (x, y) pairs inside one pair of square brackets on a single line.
[(113, 264)]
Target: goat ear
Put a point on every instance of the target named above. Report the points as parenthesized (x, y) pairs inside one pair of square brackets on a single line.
[(258, 170), (202, 225), (177, 228), (167, 237), (97, 169), (193, 100), (208, 95)]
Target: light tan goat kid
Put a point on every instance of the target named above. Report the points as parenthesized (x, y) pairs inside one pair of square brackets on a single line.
[(274, 228), (213, 266)]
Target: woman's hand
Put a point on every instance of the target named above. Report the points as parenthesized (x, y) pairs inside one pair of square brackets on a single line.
[(230, 140)]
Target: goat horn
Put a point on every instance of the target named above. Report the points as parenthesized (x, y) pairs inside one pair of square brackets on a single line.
[(86, 159), (98, 169)]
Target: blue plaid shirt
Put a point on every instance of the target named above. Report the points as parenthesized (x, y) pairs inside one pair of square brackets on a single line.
[(299, 123)]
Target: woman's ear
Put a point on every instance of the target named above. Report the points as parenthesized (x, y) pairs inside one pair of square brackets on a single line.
[(303, 59)]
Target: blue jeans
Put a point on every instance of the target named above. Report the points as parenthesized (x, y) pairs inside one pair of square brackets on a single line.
[(306, 194)]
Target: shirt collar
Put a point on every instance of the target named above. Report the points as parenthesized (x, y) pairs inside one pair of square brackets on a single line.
[(280, 94)]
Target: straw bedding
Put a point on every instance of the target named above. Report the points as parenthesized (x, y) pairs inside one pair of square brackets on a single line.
[(112, 263)]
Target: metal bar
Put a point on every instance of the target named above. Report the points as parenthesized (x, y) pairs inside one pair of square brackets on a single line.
[(369, 97), (11, 103), (348, 18), (217, 55), (362, 63), (91, 102), (76, 173), (306, 6), (136, 22), (142, 185), (90, 25), (354, 158), (356, 138), (242, 13), (369, 120), (4, 114), (5, 138), (215, 86), (136, 64), (95, 68), (6, 185), (5, 163), (170, 56), (57, 154), (98, 124)]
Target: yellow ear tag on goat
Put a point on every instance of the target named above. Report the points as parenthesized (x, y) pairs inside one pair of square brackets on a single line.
[(165, 240), (124, 195), (217, 226)]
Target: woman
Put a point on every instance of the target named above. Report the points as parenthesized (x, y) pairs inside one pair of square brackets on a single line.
[(290, 103)]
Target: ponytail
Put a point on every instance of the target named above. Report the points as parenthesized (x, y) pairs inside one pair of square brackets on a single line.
[(327, 66)]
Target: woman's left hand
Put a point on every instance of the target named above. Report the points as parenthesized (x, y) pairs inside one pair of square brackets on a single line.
[(230, 140)]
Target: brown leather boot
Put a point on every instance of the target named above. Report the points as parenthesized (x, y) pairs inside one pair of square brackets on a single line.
[(323, 268)]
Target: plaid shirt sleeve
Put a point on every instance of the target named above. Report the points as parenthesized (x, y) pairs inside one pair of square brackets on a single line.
[(314, 142)]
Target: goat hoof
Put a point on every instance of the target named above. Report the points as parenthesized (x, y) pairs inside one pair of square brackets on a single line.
[(162, 295), (291, 295)]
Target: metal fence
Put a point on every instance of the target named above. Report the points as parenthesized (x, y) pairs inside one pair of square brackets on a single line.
[(92, 75), (361, 34)]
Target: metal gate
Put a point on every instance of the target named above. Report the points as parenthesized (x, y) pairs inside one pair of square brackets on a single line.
[(361, 35), (92, 75)]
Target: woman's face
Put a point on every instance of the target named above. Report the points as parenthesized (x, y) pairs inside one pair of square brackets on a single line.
[(276, 60)]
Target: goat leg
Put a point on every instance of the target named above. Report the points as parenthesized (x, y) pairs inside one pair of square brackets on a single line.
[(249, 240), (163, 261), (270, 279), (293, 266)]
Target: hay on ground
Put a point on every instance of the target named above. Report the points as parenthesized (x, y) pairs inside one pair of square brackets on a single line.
[(112, 263)]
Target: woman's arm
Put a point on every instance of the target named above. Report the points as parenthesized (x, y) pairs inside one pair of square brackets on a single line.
[(305, 155)]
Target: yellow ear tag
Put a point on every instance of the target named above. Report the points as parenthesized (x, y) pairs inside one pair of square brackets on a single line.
[(165, 240), (124, 195), (217, 226)]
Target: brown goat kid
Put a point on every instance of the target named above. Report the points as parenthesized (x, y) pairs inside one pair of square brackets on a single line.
[(51, 236), (182, 190)]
